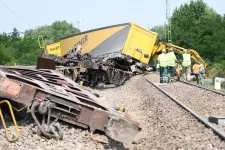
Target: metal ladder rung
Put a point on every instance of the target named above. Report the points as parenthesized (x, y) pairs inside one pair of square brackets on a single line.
[(14, 121)]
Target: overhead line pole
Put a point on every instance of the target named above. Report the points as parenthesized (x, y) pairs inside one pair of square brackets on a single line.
[(169, 37)]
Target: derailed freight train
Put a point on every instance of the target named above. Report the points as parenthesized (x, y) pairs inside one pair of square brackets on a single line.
[(107, 55), (115, 53)]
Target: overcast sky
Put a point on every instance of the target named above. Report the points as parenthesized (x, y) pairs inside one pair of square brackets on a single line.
[(91, 13)]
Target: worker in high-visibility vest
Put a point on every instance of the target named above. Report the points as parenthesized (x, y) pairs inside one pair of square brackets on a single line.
[(162, 58), (171, 64), (186, 63)]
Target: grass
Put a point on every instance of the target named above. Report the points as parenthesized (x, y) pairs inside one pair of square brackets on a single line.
[(211, 85)]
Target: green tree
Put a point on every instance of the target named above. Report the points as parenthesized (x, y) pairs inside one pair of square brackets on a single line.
[(195, 26), (15, 34), (4, 39), (199, 27), (52, 33), (4, 57), (62, 29), (161, 30), (25, 50)]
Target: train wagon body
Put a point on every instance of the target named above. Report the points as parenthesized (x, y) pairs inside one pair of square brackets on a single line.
[(54, 48), (126, 39)]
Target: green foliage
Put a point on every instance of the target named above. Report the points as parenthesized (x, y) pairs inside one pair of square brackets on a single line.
[(18, 50), (199, 27), (161, 30), (4, 58), (223, 85), (53, 32), (15, 35), (29, 58), (218, 69)]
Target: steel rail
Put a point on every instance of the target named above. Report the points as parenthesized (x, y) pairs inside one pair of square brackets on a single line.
[(209, 89), (219, 132)]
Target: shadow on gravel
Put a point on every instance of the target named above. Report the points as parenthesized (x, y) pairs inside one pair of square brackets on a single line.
[(21, 121), (109, 86), (102, 87), (22, 117), (112, 144)]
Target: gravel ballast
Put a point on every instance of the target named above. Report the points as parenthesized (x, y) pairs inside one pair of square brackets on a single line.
[(165, 125), (204, 102)]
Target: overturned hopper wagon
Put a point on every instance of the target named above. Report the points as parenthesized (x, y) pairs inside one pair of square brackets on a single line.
[(120, 40), (116, 53), (52, 96)]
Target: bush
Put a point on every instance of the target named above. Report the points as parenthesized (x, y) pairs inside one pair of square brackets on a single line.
[(217, 70), (223, 85)]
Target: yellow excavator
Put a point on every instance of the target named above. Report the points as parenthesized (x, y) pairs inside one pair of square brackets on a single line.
[(179, 50)]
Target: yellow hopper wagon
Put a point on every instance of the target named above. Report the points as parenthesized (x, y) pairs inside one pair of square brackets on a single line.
[(105, 55)]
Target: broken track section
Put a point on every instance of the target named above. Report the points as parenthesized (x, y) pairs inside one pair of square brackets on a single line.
[(54, 96)]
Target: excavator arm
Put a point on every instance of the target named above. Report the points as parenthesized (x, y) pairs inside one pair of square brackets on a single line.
[(194, 55)]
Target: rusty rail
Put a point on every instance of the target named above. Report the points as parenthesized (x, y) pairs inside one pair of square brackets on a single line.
[(203, 87)]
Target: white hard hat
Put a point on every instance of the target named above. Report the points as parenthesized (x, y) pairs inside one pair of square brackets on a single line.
[(201, 65), (170, 49), (163, 50)]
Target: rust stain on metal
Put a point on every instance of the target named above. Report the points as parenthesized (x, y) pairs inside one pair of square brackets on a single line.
[(44, 63), (99, 120), (85, 115), (27, 93), (10, 87), (69, 120), (96, 119), (41, 96)]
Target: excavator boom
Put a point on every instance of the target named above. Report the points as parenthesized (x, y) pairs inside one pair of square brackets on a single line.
[(194, 55), (179, 50)]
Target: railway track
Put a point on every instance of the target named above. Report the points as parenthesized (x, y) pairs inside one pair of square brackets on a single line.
[(205, 88), (165, 124), (200, 101)]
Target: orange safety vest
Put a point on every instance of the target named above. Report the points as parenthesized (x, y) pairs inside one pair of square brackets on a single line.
[(196, 69)]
